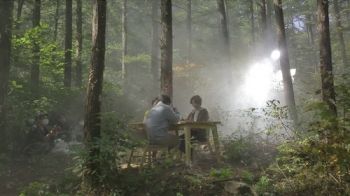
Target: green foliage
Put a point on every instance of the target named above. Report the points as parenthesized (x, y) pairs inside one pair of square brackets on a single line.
[(37, 189), (66, 186), (221, 173), (316, 162), (4, 159), (113, 145), (256, 135), (138, 58), (264, 186), (51, 67), (306, 157), (247, 177), (132, 181), (237, 148)]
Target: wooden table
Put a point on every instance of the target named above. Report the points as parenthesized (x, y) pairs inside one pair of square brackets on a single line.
[(187, 126)]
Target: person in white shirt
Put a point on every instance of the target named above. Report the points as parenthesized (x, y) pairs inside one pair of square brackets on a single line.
[(157, 122)]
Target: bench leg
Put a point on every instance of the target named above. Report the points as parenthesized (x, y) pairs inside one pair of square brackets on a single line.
[(143, 159), (211, 150), (216, 144), (130, 155)]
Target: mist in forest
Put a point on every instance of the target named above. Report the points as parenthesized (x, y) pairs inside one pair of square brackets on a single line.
[(252, 82), (254, 73)]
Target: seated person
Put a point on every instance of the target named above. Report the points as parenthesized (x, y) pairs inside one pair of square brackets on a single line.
[(198, 114), (157, 123), (39, 139), (154, 102), (65, 133)]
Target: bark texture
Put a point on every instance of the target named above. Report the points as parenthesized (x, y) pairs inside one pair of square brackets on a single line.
[(166, 78), (124, 40), (79, 42), (326, 68), (6, 17), (68, 46), (284, 58), (264, 36), (340, 33), (155, 46), (189, 30), (35, 71), (57, 12), (226, 41), (310, 34), (252, 23), (92, 126)]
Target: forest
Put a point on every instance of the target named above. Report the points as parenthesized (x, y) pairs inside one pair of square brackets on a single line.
[(273, 75)]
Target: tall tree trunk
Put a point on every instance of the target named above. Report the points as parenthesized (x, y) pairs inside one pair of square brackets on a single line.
[(226, 41), (340, 33), (56, 21), (189, 30), (124, 41), (292, 41), (155, 46), (68, 45), (79, 49), (166, 77), (55, 30), (327, 78), (18, 26), (348, 11), (6, 15), (269, 11), (311, 37), (284, 59), (263, 27), (19, 13), (92, 126), (252, 24), (226, 12), (35, 70)]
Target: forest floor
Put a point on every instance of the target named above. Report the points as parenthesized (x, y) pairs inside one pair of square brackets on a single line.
[(51, 173), (17, 173)]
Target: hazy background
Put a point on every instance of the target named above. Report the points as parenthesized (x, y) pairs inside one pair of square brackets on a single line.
[(204, 75)]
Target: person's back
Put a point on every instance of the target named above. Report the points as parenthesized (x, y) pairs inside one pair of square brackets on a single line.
[(158, 119), (157, 122)]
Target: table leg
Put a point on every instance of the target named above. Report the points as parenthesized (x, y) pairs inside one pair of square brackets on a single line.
[(216, 143), (188, 144), (179, 153)]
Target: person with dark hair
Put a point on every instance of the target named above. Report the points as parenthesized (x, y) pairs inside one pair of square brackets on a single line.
[(198, 114), (39, 139), (157, 123), (165, 99)]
